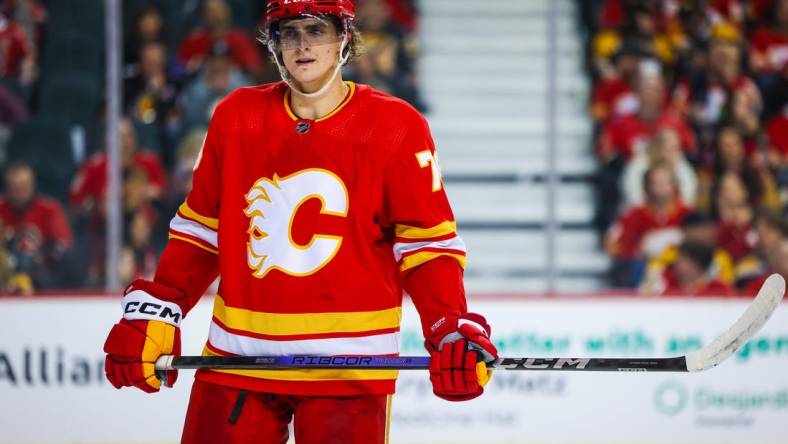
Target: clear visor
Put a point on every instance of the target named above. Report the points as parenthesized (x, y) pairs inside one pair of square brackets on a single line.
[(306, 31)]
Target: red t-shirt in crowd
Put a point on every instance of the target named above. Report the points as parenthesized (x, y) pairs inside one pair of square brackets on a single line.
[(715, 96), (632, 227), (243, 49), (91, 181), (728, 11), (44, 219), (736, 240), (777, 130), (773, 45), (13, 48), (628, 135), (613, 97)]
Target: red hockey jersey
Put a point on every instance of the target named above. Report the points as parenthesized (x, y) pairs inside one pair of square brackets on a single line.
[(315, 227)]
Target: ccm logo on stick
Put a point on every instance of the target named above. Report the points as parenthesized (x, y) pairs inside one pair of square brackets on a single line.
[(536, 363), (152, 309)]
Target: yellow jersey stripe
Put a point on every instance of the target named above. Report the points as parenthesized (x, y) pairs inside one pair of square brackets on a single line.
[(196, 244), (284, 324), (409, 232), (311, 375), (419, 258), (191, 214)]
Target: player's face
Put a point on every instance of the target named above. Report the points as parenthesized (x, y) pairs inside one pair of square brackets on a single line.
[(310, 50)]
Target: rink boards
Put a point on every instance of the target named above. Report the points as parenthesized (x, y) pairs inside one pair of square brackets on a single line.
[(52, 388)]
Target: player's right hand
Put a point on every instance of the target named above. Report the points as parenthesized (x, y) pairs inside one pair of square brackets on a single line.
[(460, 349), (149, 329)]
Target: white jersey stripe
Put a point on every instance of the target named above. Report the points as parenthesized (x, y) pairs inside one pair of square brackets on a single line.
[(402, 248), (381, 344), (192, 228)]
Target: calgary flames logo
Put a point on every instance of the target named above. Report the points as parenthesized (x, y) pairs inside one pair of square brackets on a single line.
[(272, 206)]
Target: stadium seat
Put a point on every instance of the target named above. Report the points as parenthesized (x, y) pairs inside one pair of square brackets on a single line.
[(44, 142), (76, 53), (74, 97)]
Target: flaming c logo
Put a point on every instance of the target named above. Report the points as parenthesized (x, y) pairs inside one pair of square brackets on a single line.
[(272, 206)]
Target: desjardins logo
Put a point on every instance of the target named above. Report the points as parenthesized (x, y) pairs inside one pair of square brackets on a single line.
[(671, 398)]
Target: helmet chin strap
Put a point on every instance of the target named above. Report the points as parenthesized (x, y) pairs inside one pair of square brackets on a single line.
[(343, 58)]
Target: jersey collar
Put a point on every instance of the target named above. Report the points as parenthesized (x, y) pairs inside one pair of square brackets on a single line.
[(350, 94)]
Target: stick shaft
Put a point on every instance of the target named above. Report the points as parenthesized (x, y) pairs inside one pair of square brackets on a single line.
[(759, 311), (677, 364)]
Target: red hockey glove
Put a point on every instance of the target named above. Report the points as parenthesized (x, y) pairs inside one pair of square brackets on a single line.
[(149, 329), (460, 347)]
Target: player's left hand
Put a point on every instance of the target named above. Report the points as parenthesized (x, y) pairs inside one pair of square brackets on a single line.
[(460, 349)]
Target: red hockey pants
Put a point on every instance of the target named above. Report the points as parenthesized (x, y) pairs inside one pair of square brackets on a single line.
[(219, 414)]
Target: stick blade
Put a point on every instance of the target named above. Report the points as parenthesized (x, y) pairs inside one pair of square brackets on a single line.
[(756, 315)]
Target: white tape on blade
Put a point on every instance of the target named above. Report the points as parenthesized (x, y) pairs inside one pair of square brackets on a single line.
[(164, 362), (767, 300)]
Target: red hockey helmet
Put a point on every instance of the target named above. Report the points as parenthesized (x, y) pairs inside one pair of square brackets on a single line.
[(282, 9)]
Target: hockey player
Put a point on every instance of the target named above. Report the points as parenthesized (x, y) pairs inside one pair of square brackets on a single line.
[(317, 201)]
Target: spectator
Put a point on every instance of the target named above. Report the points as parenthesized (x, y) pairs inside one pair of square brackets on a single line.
[(35, 17), (11, 282), (186, 158), (769, 230), (35, 225), (403, 13), (626, 136), (645, 231), (138, 248), (734, 216), (152, 99), (776, 94), (217, 28), (386, 63), (731, 12), (635, 22), (769, 45), (89, 186), (692, 275), (612, 95), (137, 201), (138, 256), (17, 59), (664, 147), (777, 258), (218, 79), (720, 92), (151, 72), (731, 157), (148, 29), (777, 136), (623, 137), (696, 228)]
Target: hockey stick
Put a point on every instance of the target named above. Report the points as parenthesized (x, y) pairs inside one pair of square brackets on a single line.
[(756, 315)]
